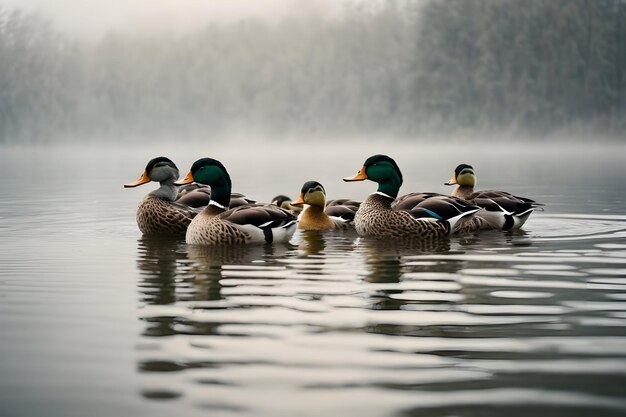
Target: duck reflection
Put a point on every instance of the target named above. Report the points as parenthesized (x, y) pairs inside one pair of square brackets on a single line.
[(410, 247), (189, 277), (374, 250), (312, 242), (157, 259), (321, 242), (172, 271), (386, 263)]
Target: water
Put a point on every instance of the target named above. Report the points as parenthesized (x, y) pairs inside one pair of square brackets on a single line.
[(98, 321)]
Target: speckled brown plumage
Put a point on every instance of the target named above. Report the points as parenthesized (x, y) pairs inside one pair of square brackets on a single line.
[(375, 218), (162, 217), (210, 229)]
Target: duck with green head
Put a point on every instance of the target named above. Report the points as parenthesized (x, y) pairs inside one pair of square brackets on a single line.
[(500, 210), (434, 216), (217, 225), (158, 213), (318, 214)]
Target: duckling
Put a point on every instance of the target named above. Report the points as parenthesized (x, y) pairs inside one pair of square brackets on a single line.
[(319, 215), (158, 213), (251, 223), (435, 216), (500, 210)]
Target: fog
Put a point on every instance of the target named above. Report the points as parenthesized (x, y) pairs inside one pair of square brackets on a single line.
[(92, 19), (283, 69)]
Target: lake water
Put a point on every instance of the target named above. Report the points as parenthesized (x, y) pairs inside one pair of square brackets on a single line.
[(97, 321)]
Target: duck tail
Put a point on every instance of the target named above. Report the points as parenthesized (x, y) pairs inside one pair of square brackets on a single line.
[(465, 220)]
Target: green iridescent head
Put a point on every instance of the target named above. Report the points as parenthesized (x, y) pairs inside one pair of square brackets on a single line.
[(383, 170)]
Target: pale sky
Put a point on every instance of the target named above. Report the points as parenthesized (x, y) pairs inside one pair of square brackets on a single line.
[(92, 18)]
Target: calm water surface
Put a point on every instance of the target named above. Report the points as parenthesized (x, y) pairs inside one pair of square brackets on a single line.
[(98, 321)]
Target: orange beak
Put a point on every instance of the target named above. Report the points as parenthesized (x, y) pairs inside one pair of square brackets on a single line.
[(299, 201), (187, 180), (142, 180), (452, 180), (360, 176)]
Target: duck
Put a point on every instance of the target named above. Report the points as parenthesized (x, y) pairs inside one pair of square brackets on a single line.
[(435, 216), (318, 214), (245, 224), (284, 201), (499, 209), (159, 213)]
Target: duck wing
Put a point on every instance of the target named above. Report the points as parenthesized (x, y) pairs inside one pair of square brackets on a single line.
[(343, 202), (198, 195), (433, 206), (194, 196), (259, 215), (342, 211), (409, 201), (238, 199), (502, 201), (266, 222), (438, 206)]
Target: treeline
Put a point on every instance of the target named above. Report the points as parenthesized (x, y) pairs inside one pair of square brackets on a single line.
[(400, 68), (537, 65)]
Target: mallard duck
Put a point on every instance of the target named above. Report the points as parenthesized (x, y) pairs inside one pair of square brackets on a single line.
[(500, 210), (320, 215), (158, 213), (435, 216), (252, 223)]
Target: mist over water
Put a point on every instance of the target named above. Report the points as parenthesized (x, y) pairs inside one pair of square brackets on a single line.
[(94, 19), (368, 69)]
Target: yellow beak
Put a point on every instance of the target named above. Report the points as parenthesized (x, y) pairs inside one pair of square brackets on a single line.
[(142, 180), (360, 176), (187, 180), (299, 201), (452, 180)]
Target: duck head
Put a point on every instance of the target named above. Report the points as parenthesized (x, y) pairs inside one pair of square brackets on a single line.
[(313, 194), (211, 172), (383, 170), (463, 175), (160, 169)]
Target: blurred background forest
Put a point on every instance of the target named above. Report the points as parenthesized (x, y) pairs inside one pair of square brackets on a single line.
[(539, 68)]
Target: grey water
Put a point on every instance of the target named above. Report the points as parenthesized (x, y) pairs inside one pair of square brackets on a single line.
[(97, 320)]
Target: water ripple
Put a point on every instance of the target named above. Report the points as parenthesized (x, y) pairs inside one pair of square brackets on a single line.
[(523, 322)]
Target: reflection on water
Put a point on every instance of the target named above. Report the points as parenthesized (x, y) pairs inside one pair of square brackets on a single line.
[(332, 324), (98, 321)]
